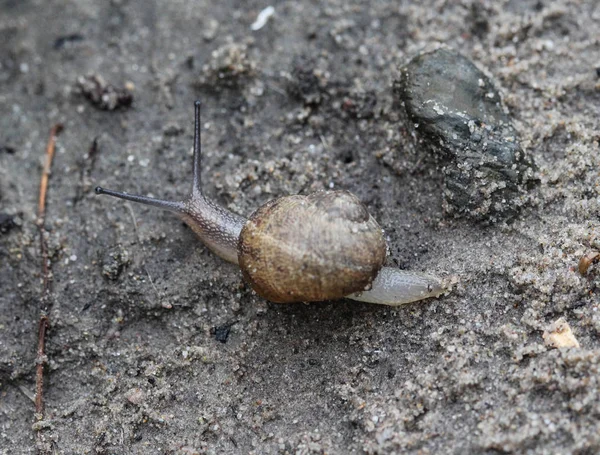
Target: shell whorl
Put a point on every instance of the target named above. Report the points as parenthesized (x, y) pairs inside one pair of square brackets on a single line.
[(321, 246)]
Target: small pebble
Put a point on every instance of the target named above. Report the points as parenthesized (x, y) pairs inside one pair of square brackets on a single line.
[(559, 335)]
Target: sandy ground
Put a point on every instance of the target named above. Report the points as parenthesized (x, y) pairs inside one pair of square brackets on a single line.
[(304, 103)]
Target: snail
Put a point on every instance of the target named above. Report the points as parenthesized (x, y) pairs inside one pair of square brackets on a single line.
[(299, 248)]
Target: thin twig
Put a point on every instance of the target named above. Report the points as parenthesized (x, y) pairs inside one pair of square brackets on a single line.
[(41, 220), (43, 324), (40, 361)]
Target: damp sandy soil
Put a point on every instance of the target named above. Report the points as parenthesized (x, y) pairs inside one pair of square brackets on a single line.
[(157, 346)]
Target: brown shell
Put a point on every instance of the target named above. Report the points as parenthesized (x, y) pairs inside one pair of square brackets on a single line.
[(310, 248)]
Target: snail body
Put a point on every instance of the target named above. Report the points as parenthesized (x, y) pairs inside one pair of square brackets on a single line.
[(299, 248)]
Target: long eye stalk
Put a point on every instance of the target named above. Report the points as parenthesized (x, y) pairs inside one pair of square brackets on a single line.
[(179, 207), (197, 188), (216, 226)]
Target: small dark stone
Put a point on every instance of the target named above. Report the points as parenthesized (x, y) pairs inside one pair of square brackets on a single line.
[(458, 113), (7, 222), (347, 156), (478, 17), (598, 71), (102, 95), (61, 41), (7, 149), (221, 332)]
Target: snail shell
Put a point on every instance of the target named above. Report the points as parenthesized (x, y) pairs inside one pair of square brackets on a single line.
[(321, 246)]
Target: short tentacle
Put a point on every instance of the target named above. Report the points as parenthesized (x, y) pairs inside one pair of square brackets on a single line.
[(173, 206)]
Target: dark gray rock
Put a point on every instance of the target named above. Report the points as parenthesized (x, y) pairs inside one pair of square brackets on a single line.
[(7, 222), (458, 113)]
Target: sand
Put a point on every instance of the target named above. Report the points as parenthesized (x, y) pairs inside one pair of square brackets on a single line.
[(157, 346)]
